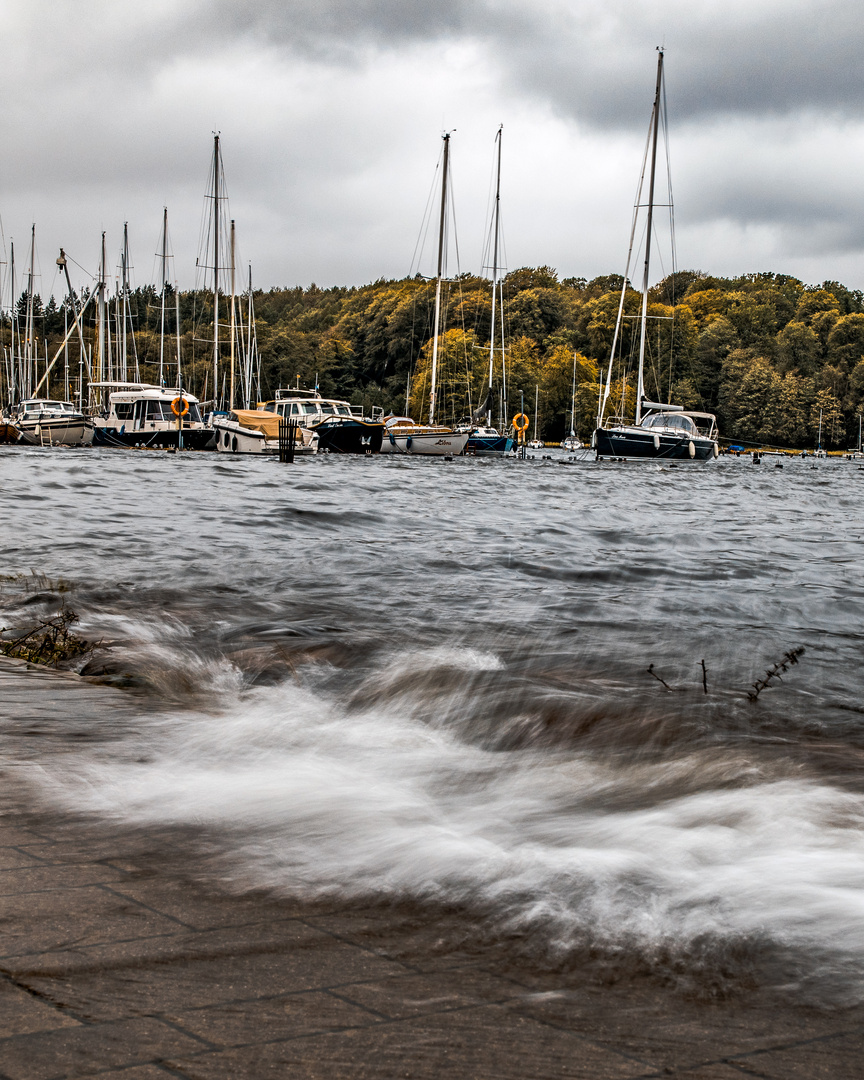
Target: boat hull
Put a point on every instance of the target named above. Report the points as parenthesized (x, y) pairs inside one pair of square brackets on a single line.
[(637, 444), (348, 436), (197, 438), (429, 443), (489, 445), (58, 432), (233, 438)]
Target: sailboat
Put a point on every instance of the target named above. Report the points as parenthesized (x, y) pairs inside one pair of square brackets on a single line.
[(572, 442), (484, 440), (536, 443), (45, 421), (660, 431), (401, 433)]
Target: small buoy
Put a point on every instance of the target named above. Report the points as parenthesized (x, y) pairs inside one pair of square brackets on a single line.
[(691, 449)]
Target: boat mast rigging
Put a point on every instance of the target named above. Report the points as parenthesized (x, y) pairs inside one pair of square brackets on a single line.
[(438, 278), (164, 257), (496, 233), (640, 387)]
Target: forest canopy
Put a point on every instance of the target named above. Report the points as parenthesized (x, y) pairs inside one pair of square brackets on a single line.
[(765, 352)]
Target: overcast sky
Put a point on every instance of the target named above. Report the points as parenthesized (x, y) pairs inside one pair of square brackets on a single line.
[(331, 113)]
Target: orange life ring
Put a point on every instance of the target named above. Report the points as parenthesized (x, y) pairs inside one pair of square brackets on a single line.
[(520, 421), (180, 406)]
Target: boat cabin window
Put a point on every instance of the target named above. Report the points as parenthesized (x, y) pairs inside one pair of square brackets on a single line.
[(676, 421), (123, 409)]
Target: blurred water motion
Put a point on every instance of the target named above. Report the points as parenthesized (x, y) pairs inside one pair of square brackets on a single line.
[(428, 681)]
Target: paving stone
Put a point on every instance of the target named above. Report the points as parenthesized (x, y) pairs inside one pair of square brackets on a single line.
[(12, 834), (12, 858), (677, 1034), (840, 1057), (426, 943), (32, 879), (21, 1013), (473, 1044), (144, 1072), (706, 1072), (200, 911), (246, 1022), (419, 994), (73, 917), (306, 960), (90, 1049)]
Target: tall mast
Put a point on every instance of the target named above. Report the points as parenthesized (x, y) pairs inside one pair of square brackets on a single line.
[(640, 388), (100, 316), (28, 343), (233, 324), (177, 328), (446, 163), (13, 304), (164, 258), (215, 270), (573, 402), (496, 229), (123, 346), (252, 345)]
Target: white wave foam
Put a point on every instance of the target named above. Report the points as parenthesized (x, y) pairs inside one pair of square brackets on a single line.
[(310, 801)]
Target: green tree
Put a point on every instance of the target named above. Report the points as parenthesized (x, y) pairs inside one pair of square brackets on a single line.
[(798, 348)]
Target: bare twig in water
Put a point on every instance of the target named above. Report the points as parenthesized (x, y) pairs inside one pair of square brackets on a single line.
[(704, 677), (774, 672), (651, 671), (50, 642)]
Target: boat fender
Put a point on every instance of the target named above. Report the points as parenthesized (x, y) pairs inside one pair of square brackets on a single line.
[(716, 450), (408, 442), (392, 438), (692, 449), (656, 442), (180, 406)]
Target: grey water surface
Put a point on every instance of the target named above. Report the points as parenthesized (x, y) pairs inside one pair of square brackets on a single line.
[(427, 681)]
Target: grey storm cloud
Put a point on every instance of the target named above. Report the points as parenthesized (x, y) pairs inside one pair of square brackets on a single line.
[(588, 60), (329, 111)]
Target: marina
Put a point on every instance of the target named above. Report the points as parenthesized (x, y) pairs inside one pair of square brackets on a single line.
[(436, 654)]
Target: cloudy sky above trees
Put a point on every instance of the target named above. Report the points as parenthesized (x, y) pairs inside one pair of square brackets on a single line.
[(331, 113)]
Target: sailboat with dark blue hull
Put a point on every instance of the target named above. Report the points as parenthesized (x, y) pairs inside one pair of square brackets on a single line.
[(659, 431)]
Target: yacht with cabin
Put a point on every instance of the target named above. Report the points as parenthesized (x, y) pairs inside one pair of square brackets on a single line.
[(146, 415)]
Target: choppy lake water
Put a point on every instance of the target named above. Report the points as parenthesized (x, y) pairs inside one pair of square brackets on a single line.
[(427, 681)]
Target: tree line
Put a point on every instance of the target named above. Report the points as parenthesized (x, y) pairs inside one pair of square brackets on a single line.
[(765, 352)]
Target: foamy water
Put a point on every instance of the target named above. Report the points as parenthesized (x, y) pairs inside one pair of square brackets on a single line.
[(431, 685)]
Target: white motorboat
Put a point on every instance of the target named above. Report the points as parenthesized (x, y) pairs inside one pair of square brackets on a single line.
[(47, 422), (141, 414), (256, 431)]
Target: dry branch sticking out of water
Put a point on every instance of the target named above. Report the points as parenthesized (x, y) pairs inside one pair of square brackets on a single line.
[(49, 642)]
